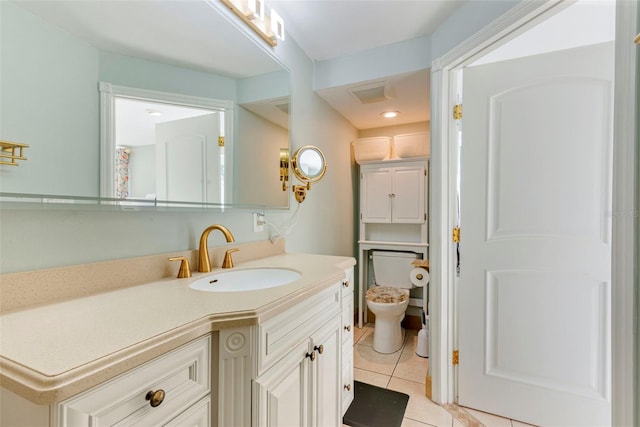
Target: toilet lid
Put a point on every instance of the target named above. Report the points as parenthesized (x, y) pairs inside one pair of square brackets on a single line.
[(387, 294)]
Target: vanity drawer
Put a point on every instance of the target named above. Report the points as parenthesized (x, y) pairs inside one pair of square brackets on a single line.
[(347, 377), (278, 335), (183, 375), (347, 283), (347, 319)]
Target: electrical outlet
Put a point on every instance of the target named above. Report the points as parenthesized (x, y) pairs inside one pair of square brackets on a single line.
[(258, 222)]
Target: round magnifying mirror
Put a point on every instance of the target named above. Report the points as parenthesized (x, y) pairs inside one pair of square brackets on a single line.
[(309, 164)]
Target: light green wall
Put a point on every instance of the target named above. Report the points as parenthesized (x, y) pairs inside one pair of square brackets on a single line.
[(49, 101), (41, 237)]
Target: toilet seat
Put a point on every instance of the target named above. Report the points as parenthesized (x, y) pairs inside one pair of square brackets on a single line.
[(387, 295)]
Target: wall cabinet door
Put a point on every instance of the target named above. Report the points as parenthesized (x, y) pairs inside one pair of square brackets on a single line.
[(393, 194), (376, 190)]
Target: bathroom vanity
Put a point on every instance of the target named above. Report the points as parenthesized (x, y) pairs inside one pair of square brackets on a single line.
[(161, 353)]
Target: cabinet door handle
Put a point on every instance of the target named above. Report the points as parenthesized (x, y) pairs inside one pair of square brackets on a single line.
[(320, 348), (155, 398), (345, 284), (311, 355), (347, 387), (347, 328)]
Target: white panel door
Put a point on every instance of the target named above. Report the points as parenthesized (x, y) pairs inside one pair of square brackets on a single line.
[(188, 159), (534, 289)]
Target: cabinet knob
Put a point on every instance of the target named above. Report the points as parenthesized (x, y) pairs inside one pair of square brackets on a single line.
[(311, 355), (347, 328), (319, 348), (345, 284), (155, 398), (347, 387)]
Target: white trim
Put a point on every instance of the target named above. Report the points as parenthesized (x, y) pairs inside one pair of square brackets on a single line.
[(625, 203), (443, 207), (108, 93)]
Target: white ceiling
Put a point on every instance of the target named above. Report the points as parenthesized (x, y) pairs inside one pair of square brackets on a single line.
[(193, 33), (327, 29)]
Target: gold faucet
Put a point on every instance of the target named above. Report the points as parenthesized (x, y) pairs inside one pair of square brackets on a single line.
[(204, 265)]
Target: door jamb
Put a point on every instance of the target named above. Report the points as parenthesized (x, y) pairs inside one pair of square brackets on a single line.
[(625, 201)]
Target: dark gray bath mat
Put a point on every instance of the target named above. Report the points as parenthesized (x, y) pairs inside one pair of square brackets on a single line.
[(375, 407)]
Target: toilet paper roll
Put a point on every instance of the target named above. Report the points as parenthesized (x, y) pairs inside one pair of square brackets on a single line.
[(419, 277)]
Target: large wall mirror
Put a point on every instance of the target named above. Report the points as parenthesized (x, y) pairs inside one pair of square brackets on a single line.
[(83, 83)]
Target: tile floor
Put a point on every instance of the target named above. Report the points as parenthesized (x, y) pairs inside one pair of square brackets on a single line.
[(404, 371)]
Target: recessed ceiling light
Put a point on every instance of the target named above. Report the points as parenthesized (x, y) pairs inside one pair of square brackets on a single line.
[(154, 112), (390, 114)]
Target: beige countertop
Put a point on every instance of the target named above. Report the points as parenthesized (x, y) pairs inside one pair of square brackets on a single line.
[(51, 352)]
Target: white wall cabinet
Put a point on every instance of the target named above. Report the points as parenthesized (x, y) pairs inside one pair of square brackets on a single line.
[(393, 193), (393, 216)]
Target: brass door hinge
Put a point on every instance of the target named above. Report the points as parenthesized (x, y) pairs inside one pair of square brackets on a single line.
[(221, 141), (456, 235), (457, 112), (455, 357)]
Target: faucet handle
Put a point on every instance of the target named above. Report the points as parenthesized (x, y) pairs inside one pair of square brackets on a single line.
[(228, 261), (185, 269)]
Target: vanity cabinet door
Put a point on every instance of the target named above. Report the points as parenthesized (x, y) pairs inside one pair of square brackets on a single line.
[(281, 394), (326, 377)]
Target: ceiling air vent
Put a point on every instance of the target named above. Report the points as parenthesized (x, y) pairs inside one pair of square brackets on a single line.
[(372, 92), (282, 105)]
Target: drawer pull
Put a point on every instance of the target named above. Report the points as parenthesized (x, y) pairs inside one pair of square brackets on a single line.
[(155, 398), (311, 356), (345, 284), (320, 348), (347, 328), (347, 387)]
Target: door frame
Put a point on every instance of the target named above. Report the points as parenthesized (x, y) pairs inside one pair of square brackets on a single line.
[(443, 204)]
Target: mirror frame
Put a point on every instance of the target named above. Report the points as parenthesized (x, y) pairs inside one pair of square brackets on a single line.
[(299, 173), (108, 95)]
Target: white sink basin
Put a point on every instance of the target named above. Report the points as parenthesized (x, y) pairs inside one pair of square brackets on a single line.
[(249, 279)]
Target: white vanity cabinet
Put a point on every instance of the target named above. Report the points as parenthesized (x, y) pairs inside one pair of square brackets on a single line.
[(290, 364), (393, 192), (305, 371), (171, 390)]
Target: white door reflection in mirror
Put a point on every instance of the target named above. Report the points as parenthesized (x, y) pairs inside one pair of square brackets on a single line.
[(173, 151), (189, 162), (165, 147)]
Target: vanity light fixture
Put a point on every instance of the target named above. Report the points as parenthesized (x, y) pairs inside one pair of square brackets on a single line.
[(390, 114), (284, 167), (269, 27)]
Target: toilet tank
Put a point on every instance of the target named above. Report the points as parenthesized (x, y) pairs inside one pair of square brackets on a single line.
[(393, 268)]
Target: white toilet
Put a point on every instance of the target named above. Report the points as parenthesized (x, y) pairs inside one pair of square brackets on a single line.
[(389, 298)]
